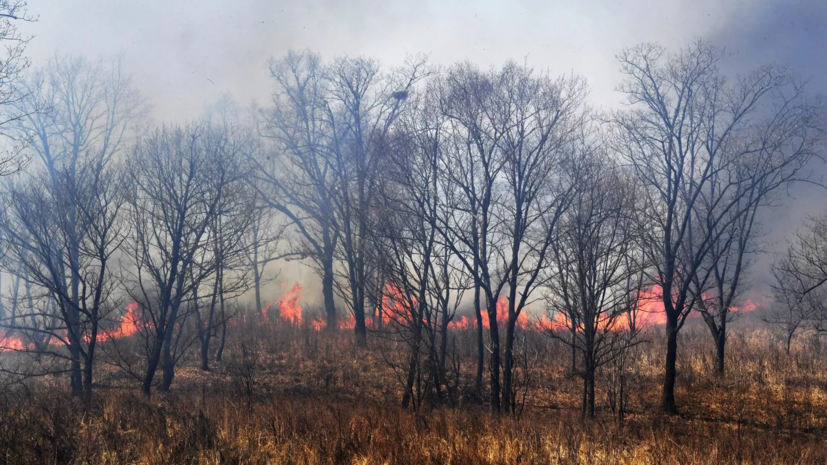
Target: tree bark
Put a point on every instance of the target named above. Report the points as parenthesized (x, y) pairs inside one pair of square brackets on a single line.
[(508, 404), (495, 355), (670, 374), (327, 291), (720, 350), (480, 341), (152, 363)]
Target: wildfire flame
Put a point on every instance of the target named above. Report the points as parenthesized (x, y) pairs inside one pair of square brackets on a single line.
[(394, 309), (289, 307), (9, 342), (128, 326)]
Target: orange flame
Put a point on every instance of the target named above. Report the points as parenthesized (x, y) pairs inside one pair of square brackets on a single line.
[(289, 307), (128, 326), (265, 313), (462, 324), (347, 322), (11, 343)]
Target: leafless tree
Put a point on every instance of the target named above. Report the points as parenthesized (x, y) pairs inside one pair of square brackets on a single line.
[(181, 176), (800, 275), (262, 243), (363, 103), (509, 130), (541, 118), (783, 145), (227, 250), (596, 276), (422, 284), (684, 134), (13, 65), (298, 177), (74, 272), (77, 117), (329, 125), (470, 182)]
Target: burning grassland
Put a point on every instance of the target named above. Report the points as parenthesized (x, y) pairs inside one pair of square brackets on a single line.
[(294, 395)]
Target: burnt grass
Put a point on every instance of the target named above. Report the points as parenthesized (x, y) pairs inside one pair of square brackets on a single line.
[(296, 396)]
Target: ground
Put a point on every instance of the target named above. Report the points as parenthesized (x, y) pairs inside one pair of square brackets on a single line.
[(289, 395)]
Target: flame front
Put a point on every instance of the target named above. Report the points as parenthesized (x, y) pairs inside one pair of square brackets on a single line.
[(289, 307), (129, 323), (9, 342)]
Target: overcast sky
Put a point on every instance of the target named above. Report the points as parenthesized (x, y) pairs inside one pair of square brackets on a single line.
[(185, 54)]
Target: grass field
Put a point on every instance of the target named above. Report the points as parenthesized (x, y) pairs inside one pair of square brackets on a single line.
[(289, 395)]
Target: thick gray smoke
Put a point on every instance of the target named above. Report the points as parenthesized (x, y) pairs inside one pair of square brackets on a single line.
[(792, 33)]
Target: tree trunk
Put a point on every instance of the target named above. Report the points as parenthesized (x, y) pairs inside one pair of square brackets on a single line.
[(508, 403), (480, 341), (257, 287), (590, 384), (152, 363), (327, 291), (361, 329), (720, 346), (220, 352), (168, 361), (574, 351), (495, 355), (412, 367), (789, 341), (668, 397), (168, 370), (76, 377), (87, 375)]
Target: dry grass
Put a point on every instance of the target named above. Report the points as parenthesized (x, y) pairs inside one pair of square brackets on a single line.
[(301, 397)]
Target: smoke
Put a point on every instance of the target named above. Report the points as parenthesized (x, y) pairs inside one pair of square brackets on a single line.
[(185, 54), (792, 33)]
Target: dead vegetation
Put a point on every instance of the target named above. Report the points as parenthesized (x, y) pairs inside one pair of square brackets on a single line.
[(288, 395)]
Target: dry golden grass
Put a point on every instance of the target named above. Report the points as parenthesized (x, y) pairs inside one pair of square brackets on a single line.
[(310, 399)]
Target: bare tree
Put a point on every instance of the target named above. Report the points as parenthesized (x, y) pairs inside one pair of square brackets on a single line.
[(330, 125), (227, 250), (262, 243), (299, 177), (13, 64), (469, 184), (800, 276), (363, 104), (77, 118), (541, 118), (75, 273), (684, 134), (421, 286), (596, 276), (782, 145), (509, 131), (180, 182)]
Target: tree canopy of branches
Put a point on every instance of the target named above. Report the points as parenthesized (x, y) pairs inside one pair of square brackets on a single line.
[(703, 148), (182, 177), (597, 270), (64, 227)]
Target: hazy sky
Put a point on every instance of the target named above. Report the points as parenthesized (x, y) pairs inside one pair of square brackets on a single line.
[(185, 54)]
